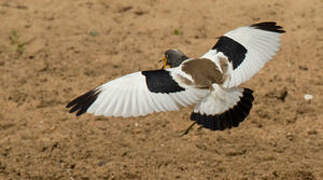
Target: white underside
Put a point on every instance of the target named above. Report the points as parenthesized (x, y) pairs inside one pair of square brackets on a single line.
[(219, 100)]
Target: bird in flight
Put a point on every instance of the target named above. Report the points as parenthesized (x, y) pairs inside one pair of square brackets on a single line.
[(210, 81)]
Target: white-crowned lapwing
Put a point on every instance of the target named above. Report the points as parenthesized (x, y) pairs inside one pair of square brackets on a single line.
[(210, 81)]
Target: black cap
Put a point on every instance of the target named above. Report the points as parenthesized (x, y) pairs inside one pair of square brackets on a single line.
[(175, 57)]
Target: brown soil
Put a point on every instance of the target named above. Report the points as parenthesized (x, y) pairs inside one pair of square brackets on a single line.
[(52, 51)]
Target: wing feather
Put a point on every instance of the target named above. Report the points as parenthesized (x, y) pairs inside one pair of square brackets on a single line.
[(261, 42), (139, 94)]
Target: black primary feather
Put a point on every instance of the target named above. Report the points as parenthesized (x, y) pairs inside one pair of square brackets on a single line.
[(83, 102), (269, 26)]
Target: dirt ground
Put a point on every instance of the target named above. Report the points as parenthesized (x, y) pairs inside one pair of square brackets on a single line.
[(53, 50)]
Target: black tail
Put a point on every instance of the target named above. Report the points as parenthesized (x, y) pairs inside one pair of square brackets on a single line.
[(230, 118)]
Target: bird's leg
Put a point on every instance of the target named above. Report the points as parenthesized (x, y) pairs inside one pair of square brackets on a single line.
[(187, 130)]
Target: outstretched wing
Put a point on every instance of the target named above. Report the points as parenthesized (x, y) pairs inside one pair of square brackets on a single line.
[(247, 48), (137, 94)]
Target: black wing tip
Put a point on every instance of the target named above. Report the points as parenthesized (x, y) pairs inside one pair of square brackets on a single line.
[(228, 119), (83, 102), (269, 26)]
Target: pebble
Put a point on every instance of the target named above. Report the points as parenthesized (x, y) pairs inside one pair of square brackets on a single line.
[(308, 97)]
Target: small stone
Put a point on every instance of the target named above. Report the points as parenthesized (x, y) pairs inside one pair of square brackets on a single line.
[(290, 136), (308, 97), (101, 163)]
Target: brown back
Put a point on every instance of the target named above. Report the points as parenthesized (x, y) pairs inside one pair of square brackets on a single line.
[(204, 72)]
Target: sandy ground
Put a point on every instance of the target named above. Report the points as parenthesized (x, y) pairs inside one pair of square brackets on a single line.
[(53, 50)]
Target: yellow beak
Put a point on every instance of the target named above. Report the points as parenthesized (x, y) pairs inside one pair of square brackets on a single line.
[(165, 65)]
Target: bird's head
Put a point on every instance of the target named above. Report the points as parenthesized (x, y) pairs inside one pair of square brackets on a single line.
[(173, 58)]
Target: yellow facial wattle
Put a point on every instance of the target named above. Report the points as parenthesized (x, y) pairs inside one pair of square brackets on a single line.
[(165, 65)]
